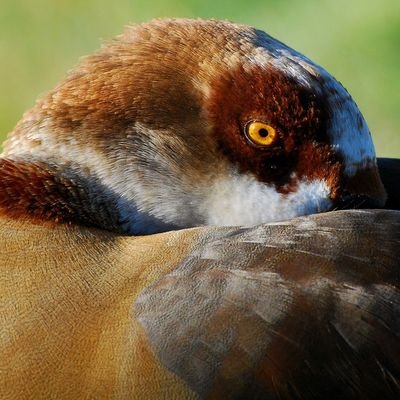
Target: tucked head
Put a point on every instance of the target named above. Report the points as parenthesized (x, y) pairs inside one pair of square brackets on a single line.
[(180, 123)]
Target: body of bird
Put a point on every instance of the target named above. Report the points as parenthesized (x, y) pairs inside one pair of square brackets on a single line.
[(197, 124)]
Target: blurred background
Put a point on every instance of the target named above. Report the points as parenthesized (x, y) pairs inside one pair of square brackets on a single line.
[(357, 41)]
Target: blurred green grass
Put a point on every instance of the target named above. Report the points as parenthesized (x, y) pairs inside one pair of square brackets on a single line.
[(356, 41)]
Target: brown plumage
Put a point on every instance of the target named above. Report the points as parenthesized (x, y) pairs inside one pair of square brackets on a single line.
[(307, 308), (149, 135)]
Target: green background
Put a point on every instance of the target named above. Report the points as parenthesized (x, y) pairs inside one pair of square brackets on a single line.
[(357, 41)]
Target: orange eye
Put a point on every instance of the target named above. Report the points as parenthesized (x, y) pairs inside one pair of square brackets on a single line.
[(261, 134)]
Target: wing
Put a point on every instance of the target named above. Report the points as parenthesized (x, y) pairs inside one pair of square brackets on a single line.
[(308, 308)]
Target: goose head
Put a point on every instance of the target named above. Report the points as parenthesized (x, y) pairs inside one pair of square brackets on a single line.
[(181, 123)]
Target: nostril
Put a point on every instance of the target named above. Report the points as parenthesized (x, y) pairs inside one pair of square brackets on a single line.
[(351, 201)]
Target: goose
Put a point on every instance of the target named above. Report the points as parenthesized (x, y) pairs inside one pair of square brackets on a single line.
[(186, 216)]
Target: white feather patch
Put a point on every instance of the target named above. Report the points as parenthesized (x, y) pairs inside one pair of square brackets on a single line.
[(242, 200)]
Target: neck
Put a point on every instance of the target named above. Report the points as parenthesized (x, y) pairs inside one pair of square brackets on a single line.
[(44, 193)]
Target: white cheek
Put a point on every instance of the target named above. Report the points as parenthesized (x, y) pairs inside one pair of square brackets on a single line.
[(242, 200)]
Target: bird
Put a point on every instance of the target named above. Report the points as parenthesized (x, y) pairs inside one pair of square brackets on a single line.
[(185, 215), (213, 123)]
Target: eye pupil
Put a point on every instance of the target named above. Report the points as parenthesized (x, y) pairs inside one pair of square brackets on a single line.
[(263, 132)]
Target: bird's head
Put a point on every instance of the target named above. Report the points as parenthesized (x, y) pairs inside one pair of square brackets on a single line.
[(182, 123)]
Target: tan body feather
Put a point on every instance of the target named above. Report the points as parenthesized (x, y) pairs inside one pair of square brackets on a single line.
[(93, 315)]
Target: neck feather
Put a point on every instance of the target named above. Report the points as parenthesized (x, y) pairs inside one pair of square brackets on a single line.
[(45, 193)]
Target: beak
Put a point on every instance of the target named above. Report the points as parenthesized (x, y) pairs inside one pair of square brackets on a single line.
[(351, 201), (363, 190)]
